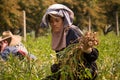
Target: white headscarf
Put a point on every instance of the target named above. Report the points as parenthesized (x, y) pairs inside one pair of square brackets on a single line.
[(60, 10), (58, 39)]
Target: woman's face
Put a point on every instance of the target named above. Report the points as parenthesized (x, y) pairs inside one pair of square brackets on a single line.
[(56, 23)]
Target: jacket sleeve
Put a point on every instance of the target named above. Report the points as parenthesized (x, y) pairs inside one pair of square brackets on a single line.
[(72, 37), (91, 57)]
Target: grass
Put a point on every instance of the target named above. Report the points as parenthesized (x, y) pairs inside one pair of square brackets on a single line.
[(108, 61)]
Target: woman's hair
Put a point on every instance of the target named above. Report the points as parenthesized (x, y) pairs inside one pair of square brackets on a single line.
[(52, 15), (48, 18), (0, 46)]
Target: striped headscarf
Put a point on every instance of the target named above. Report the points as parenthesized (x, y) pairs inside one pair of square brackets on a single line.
[(58, 43), (60, 10)]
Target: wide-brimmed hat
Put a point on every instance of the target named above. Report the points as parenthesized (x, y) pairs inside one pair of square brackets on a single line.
[(12, 39)]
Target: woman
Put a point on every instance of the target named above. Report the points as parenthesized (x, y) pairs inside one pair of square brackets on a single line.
[(10, 43), (60, 19)]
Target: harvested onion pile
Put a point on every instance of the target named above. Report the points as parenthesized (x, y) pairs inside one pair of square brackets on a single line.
[(89, 40)]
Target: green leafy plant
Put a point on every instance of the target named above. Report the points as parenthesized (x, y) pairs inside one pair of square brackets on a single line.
[(108, 61)]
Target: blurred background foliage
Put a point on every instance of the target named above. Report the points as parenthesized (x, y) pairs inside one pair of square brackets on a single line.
[(99, 12)]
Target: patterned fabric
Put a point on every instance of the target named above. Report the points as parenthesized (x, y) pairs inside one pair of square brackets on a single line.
[(60, 10), (17, 50), (7, 52), (21, 47)]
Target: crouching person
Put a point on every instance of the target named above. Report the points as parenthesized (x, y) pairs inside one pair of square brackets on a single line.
[(11, 44)]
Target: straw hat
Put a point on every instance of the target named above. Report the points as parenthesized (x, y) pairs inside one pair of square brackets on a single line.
[(12, 39)]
